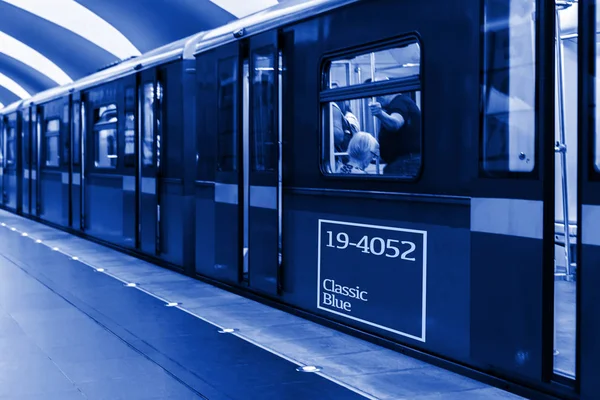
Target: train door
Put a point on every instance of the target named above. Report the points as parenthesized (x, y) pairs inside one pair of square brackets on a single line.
[(36, 158), (587, 272), (128, 144), (26, 163), (149, 162), (76, 165), (513, 204), (219, 73), (10, 161), (263, 210), (3, 129)]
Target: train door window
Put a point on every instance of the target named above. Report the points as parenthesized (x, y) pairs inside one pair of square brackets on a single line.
[(508, 87), (129, 153), (52, 139), (10, 146), (25, 137), (129, 140), (76, 134), (264, 156), (66, 142), (371, 105), (147, 124), (227, 157), (105, 136), (2, 135)]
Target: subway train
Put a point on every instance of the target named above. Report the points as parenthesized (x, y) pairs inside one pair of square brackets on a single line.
[(259, 156)]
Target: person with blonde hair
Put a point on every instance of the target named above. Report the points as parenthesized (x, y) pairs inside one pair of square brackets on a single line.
[(361, 150)]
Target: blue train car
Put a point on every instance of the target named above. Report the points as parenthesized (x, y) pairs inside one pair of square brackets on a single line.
[(394, 169)]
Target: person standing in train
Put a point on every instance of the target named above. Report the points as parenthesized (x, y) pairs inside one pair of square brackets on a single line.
[(399, 134)]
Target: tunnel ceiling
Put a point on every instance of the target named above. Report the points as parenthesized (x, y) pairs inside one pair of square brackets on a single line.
[(44, 43)]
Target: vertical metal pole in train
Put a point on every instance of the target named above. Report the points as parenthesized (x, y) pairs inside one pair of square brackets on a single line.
[(561, 146), (375, 130)]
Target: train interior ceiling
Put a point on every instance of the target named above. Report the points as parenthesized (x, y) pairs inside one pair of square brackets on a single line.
[(118, 162)]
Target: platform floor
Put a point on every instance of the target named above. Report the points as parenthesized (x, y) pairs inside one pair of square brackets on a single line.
[(70, 330)]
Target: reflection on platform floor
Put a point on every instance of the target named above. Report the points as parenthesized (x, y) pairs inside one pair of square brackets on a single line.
[(565, 308), (352, 364)]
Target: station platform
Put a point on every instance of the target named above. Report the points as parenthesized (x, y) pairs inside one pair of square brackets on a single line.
[(79, 320)]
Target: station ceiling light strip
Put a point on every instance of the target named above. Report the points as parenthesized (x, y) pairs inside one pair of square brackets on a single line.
[(31, 57), (13, 87), (242, 9), (78, 19)]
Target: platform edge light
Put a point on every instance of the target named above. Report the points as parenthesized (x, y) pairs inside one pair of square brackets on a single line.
[(13, 87), (34, 59), (80, 20)]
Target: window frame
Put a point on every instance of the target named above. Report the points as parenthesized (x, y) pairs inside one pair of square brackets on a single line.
[(327, 95), (96, 128), (487, 53), (49, 135)]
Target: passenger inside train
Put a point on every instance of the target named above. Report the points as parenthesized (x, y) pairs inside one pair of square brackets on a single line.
[(362, 149)]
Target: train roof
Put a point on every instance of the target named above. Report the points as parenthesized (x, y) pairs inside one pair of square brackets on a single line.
[(12, 107), (187, 48), (270, 18)]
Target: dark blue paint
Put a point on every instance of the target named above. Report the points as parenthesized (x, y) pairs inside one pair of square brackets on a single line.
[(506, 286), (368, 273), (51, 197), (205, 228), (104, 207), (398, 292)]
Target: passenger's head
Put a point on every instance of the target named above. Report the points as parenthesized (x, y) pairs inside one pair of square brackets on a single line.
[(362, 148)]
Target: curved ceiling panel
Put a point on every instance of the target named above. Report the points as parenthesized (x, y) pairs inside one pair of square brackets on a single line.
[(159, 22), (30, 79), (48, 42), (72, 53), (28, 56), (13, 86), (244, 8), (78, 19), (7, 97)]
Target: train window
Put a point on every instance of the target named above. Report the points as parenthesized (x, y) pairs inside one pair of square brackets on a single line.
[(105, 136), (25, 137), (10, 147), (76, 134), (264, 154), (227, 115), (376, 128), (65, 137), (129, 156), (508, 87), (148, 124), (396, 63), (52, 142)]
